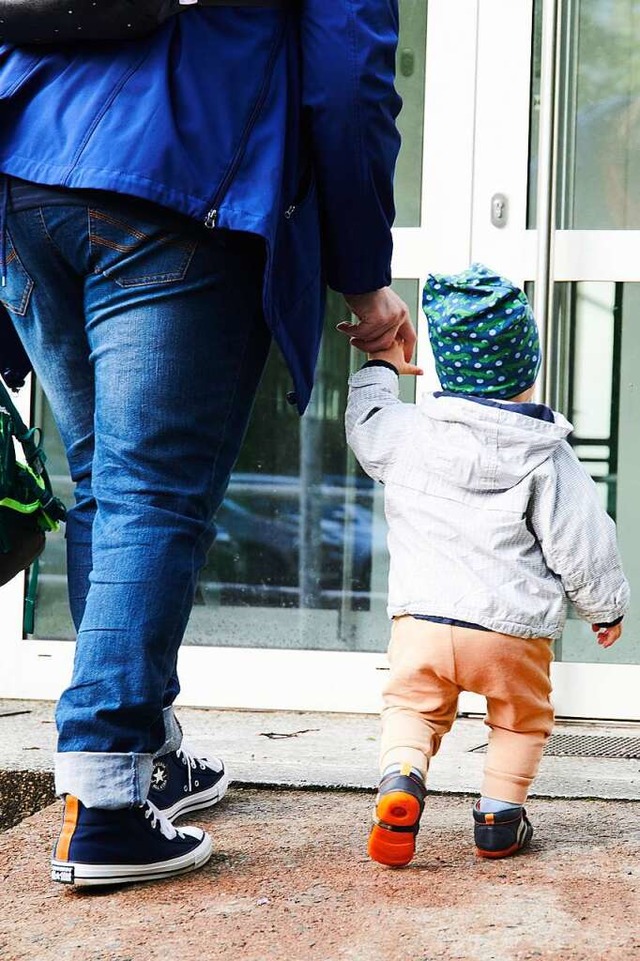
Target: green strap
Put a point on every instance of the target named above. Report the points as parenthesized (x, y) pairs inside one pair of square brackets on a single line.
[(36, 481), (26, 435), (30, 598), (34, 455)]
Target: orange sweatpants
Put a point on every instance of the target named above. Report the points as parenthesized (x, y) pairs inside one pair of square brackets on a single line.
[(432, 663)]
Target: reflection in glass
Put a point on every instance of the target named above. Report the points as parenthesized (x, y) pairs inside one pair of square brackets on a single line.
[(598, 180), (585, 374), (300, 558), (52, 617), (594, 347)]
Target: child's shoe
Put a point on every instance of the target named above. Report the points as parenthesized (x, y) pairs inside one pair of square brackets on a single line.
[(396, 817), (98, 846), (501, 834), (182, 782)]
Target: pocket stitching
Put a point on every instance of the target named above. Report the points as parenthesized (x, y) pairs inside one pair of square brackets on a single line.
[(173, 276), (23, 305), (165, 278)]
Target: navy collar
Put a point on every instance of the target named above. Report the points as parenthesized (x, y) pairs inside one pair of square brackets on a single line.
[(537, 411)]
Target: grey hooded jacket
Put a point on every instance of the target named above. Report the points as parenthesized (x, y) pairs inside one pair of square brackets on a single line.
[(492, 519)]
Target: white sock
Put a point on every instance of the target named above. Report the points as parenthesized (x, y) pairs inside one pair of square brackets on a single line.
[(491, 805)]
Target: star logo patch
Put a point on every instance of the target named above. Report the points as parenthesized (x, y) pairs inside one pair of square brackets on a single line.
[(160, 777)]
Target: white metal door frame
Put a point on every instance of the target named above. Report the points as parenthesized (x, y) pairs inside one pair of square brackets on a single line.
[(461, 91)]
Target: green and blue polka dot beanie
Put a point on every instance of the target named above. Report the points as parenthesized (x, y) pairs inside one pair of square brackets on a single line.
[(483, 333)]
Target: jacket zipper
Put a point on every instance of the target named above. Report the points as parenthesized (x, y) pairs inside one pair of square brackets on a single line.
[(211, 218)]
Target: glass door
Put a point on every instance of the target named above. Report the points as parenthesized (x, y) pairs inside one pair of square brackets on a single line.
[(290, 608), (562, 157)]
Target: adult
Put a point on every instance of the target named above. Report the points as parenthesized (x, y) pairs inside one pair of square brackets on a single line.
[(172, 203)]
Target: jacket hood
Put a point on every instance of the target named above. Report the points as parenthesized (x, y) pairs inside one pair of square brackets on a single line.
[(488, 448)]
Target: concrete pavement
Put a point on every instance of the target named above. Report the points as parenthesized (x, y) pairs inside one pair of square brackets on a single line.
[(290, 880)]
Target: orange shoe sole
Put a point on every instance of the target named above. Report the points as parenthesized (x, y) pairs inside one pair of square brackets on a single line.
[(398, 809), (498, 854)]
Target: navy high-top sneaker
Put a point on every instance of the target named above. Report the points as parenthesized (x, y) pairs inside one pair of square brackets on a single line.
[(98, 846), (182, 782), (501, 834)]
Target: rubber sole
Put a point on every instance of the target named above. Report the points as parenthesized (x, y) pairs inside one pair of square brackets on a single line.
[(94, 875), (392, 840), (498, 854), (198, 801)]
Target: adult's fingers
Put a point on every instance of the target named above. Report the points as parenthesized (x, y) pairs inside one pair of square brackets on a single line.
[(406, 332), (373, 345)]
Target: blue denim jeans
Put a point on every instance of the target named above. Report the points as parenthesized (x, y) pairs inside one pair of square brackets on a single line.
[(147, 334)]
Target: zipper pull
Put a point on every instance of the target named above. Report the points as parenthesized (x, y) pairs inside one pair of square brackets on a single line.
[(290, 211), (211, 219)]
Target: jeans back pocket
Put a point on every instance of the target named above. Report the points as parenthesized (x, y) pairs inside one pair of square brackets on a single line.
[(137, 252), (15, 295)]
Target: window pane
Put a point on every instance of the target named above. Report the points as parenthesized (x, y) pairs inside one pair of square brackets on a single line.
[(52, 617), (300, 560), (598, 181), (595, 348)]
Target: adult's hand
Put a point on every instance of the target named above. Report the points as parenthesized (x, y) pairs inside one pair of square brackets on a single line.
[(382, 317)]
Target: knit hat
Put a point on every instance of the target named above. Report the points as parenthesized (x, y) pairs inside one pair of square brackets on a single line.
[(483, 333)]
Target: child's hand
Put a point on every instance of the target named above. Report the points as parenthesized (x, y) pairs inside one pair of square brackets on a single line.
[(607, 635), (396, 355)]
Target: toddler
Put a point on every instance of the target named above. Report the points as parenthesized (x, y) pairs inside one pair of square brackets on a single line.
[(493, 524)]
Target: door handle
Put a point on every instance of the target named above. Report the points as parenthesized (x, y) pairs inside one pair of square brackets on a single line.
[(499, 210)]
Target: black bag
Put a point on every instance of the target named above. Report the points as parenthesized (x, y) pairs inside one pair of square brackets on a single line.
[(14, 363), (64, 21), (28, 508)]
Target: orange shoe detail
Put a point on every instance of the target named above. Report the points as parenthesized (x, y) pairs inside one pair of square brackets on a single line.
[(398, 809), (68, 827), (393, 848)]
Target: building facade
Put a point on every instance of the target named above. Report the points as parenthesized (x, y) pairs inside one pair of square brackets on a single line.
[(521, 149)]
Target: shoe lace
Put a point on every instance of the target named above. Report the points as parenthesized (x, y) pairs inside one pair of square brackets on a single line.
[(192, 762), (159, 821)]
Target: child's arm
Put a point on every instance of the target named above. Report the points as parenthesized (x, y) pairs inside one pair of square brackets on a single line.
[(578, 540), (376, 419)]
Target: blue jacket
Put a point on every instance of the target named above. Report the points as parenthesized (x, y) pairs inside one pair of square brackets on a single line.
[(274, 121)]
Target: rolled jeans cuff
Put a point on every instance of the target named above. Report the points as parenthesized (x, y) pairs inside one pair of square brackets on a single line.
[(172, 732), (104, 780)]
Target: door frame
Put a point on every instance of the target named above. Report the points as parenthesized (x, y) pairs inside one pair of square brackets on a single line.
[(462, 87)]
